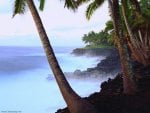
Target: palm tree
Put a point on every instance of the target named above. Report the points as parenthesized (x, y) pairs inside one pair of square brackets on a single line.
[(75, 103), (128, 74), (138, 35), (127, 69), (136, 5)]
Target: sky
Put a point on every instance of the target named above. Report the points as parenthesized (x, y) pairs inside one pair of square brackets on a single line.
[(64, 27)]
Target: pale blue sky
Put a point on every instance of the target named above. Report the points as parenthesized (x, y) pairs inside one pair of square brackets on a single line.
[(64, 27)]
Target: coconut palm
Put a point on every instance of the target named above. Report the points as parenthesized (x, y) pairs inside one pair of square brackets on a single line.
[(75, 103), (128, 74), (138, 33), (136, 5)]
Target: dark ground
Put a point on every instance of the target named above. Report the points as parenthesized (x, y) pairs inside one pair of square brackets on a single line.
[(110, 98), (108, 66)]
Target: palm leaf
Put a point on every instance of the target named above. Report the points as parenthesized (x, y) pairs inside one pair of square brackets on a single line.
[(109, 26), (100, 2), (92, 7), (80, 2), (42, 3), (19, 7), (70, 4)]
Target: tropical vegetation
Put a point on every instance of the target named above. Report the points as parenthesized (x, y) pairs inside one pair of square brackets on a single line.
[(97, 40), (131, 28), (74, 102)]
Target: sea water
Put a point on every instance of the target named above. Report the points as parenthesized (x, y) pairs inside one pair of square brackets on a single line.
[(27, 84)]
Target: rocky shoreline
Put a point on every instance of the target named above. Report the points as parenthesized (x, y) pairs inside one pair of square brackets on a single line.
[(109, 66), (110, 98), (93, 51)]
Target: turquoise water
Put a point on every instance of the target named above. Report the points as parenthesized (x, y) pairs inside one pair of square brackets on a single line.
[(24, 87)]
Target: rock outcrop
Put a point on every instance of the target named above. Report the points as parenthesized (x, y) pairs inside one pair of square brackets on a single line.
[(110, 99), (109, 66)]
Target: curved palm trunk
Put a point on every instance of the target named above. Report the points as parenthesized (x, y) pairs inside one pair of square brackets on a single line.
[(128, 75), (74, 102), (135, 43), (138, 42)]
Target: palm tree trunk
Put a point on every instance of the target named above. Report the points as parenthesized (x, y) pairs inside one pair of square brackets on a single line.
[(74, 102), (135, 43), (139, 43), (128, 75), (136, 5), (124, 6)]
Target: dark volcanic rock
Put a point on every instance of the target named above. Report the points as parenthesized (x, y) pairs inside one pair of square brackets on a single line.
[(109, 66), (93, 52), (111, 99)]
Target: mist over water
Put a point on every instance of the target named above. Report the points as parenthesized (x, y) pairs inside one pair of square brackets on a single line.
[(24, 85)]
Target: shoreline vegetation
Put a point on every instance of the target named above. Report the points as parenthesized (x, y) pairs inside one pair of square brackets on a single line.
[(128, 29), (110, 98)]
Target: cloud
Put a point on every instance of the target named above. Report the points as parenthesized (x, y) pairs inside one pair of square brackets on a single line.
[(2, 2), (20, 25), (59, 22)]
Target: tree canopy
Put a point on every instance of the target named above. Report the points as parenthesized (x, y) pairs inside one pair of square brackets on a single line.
[(102, 39), (130, 20)]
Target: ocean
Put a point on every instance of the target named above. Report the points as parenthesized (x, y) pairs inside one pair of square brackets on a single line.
[(27, 84)]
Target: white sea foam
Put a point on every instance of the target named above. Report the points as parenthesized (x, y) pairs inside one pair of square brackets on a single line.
[(24, 85)]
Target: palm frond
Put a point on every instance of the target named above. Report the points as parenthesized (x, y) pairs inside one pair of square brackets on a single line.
[(80, 2), (19, 7), (100, 2), (42, 4), (70, 4), (109, 26), (92, 7)]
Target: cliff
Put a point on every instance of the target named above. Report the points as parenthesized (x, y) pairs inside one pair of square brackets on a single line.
[(93, 51), (108, 66), (110, 99)]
